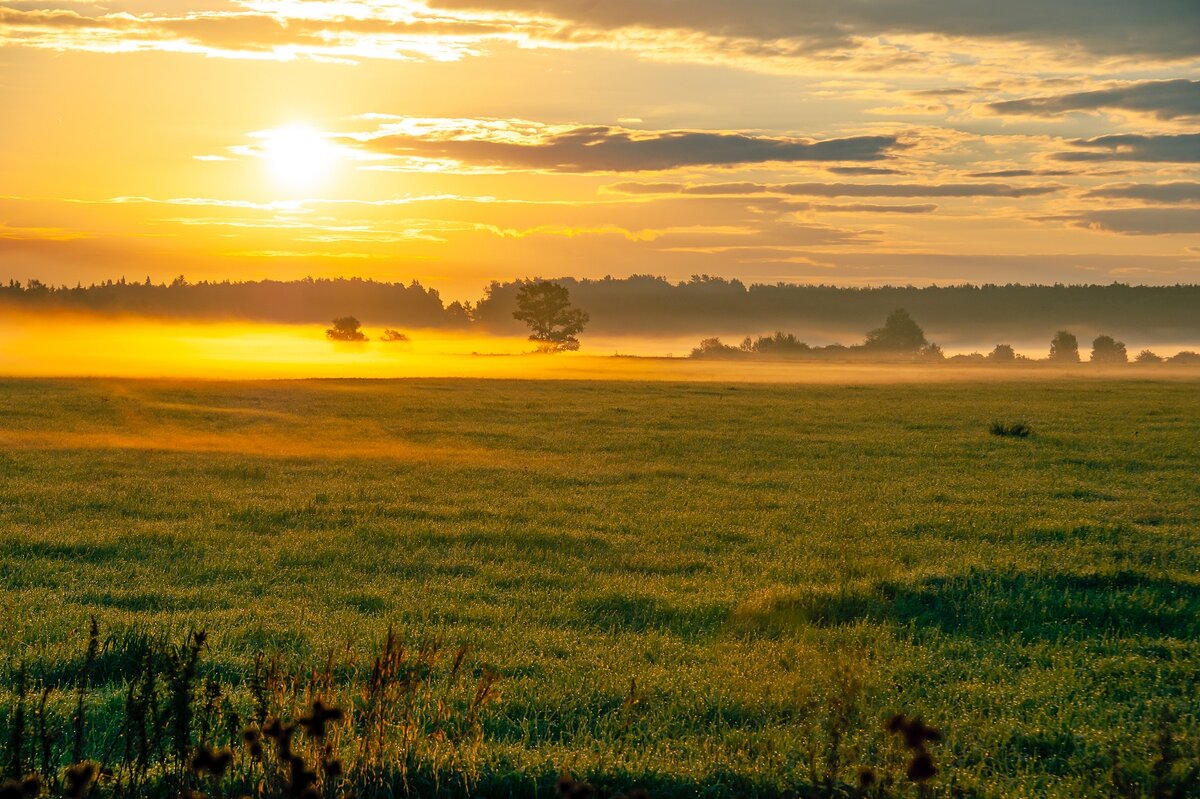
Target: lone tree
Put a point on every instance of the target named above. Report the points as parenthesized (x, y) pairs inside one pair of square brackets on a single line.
[(1106, 349), (1064, 348), (346, 328), (898, 334), (546, 307)]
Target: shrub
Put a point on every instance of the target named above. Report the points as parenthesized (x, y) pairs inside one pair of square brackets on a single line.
[(1146, 356), (1013, 430), (393, 335)]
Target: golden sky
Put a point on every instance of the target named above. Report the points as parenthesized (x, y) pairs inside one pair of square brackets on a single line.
[(461, 141)]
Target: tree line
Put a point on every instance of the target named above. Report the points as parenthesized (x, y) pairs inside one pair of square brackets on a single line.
[(901, 338), (649, 305)]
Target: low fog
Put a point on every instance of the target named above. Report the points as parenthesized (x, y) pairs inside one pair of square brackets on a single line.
[(81, 345)]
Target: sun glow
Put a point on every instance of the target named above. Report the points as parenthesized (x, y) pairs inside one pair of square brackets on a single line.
[(298, 156)]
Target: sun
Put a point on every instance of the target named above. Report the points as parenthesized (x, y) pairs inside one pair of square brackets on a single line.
[(298, 156)]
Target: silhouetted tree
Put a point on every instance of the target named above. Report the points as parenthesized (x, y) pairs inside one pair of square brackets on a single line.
[(393, 335), (346, 328), (1002, 354), (1106, 349), (546, 307), (900, 333), (1064, 348), (1146, 356)]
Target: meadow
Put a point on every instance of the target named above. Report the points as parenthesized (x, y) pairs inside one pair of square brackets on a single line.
[(699, 588)]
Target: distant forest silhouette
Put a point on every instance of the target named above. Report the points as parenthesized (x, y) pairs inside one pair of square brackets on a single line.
[(647, 305)]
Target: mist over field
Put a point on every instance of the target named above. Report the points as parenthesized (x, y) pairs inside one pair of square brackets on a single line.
[(56, 344)]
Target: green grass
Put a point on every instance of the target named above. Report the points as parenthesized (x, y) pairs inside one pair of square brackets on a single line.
[(749, 555)]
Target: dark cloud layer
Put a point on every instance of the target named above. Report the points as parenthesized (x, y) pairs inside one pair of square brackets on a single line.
[(840, 189), (605, 149), (1022, 173), (865, 170), (1137, 221), (1179, 192), (1165, 99), (1164, 28), (1183, 148)]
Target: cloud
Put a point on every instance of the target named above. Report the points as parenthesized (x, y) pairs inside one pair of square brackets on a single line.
[(1022, 173), (868, 208), (282, 32), (862, 34), (1179, 192), (514, 144), (865, 170), (839, 189), (1165, 99), (1134, 221), (1183, 148), (1164, 28)]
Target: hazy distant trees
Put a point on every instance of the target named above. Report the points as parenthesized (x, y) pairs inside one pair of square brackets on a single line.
[(460, 313), (715, 348), (1106, 349), (1147, 356), (346, 328), (900, 338), (546, 307), (393, 336), (1064, 348), (781, 343)]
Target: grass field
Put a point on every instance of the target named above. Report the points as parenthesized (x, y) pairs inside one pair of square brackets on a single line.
[(775, 568)]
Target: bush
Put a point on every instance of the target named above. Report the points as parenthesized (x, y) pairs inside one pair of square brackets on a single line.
[(1014, 430), (1146, 356), (393, 335)]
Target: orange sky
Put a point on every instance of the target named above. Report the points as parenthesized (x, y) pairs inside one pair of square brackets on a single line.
[(459, 141)]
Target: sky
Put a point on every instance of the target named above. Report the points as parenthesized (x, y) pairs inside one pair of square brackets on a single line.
[(455, 142)]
